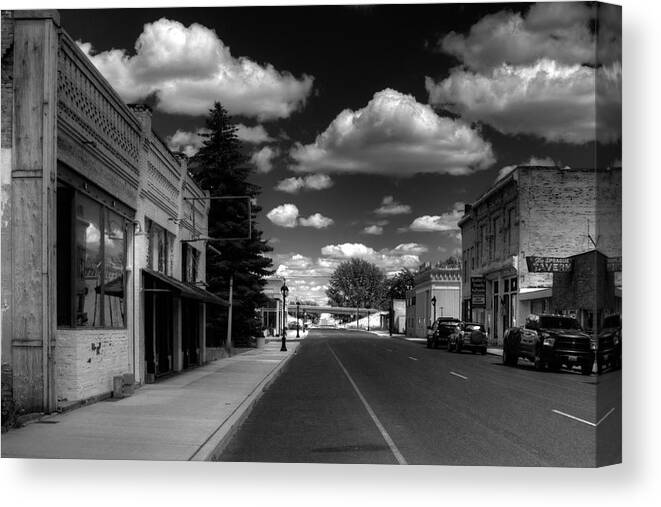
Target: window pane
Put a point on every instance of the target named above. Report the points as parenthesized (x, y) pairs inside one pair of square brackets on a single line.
[(63, 250), (88, 250), (115, 263)]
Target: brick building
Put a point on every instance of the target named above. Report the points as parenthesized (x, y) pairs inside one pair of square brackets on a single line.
[(543, 212), (102, 267), (440, 282)]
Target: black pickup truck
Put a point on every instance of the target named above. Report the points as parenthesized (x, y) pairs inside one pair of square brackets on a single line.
[(550, 341)]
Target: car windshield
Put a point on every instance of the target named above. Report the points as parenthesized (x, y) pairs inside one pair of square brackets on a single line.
[(553, 322), (612, 321), (448, 324)]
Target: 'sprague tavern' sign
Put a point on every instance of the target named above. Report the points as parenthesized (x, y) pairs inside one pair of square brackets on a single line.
[(478, 292), (549, 264)]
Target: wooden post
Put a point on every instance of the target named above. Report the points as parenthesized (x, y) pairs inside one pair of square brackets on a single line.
[(33, 198)]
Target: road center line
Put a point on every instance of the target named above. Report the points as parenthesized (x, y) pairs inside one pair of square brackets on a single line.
[(398, 455), (594, 425), (458, 375), (414, 358)]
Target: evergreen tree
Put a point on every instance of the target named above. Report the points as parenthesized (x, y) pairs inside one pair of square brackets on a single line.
[(221, 167)]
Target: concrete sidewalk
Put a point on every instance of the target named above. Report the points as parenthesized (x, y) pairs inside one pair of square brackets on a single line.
[(189, 416)]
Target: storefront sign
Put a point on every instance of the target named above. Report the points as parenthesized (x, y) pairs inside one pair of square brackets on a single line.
[(478, 292), (549, 264), (614, 264)]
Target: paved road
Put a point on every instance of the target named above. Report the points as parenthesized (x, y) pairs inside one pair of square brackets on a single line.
[(352, 397)]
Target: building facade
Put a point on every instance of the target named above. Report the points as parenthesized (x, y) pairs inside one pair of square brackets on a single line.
[(440, 282), (102, 266), (535, 213)]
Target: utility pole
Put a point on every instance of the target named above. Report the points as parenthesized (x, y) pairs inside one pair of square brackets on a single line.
[(228, 342)]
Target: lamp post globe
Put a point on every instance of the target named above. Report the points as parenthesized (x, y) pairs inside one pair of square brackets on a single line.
[(284, 290)]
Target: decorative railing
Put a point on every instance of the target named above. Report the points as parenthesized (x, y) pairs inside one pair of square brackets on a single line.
[(89, 106)]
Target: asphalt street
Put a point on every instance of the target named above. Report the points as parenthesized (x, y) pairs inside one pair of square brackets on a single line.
[(353, 397)]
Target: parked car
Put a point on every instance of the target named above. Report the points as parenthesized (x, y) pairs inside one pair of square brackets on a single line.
[(439, 332), (609, 346), (468, 335), (549, 341)]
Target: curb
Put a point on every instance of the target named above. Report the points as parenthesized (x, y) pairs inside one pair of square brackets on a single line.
[(220, 438)]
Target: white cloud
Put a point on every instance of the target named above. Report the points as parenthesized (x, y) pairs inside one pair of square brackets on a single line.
[(391, 207), (375, 230), (552, 101), (185, 142), (311, 182), (189, 68), (394, 135), (285, 215), (252, 135), (317, 220), (391, 260), (554, 30), (444, 222), (263, 159)]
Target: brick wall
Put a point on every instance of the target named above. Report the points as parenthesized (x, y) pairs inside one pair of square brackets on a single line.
[(87, 360)]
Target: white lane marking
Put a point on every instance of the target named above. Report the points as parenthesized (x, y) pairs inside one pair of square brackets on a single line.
[(398, 455), (605, 416), (458, 375), (414, 358), (594, 425)]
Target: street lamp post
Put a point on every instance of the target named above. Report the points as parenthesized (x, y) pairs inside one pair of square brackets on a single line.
[(298, 305), (433, 304), (285, 292)]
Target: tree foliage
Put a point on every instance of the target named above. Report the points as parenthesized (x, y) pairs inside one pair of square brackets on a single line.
[(357, 282), (221, 167), (398, 285)]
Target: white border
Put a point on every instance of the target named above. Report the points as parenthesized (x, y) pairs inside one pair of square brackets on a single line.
[(636, 482)]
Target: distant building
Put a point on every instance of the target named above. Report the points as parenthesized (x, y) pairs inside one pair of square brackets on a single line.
[(440, 282), (541, 216), (271, 313)]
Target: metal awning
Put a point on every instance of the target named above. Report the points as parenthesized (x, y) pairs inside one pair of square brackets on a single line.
[(185, 290), (526, 294)]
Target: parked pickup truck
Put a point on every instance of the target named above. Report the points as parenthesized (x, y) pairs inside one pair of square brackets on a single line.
[(550, 341), (609, 351)]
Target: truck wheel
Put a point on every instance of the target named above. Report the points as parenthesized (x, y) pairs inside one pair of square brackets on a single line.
[(539, 365), (428, 343), (586, 368), (600, 366), (458, 347), (483, 351)]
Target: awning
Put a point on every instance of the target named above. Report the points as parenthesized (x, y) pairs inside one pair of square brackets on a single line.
[(526, 294), (185, 290)]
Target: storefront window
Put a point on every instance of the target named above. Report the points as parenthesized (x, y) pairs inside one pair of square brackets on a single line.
[(91, 274), (90, 262), (115, 260)]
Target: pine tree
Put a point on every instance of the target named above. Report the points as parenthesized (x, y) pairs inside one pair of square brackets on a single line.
[(221, 168)]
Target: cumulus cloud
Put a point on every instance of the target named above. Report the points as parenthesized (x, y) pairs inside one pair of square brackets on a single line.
[(189, 68), (391, 260), (375, 230), (394, 135), (391, 207), (188, 143), (252, 135), (311, 182), (553, 30), (263, 159), (544, 73), (285, 215), (444, 222), (316, 220), (552, 101)]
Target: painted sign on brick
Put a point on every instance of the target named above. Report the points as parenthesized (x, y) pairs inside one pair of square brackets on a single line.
[(478, 292), (549, 264)]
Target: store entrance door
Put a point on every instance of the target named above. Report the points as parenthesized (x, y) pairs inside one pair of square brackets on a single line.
[(159, 327)]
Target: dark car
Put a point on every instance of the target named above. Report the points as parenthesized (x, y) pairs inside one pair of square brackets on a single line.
[(440, 331), (549, 340), (609, 345), (470, 336)]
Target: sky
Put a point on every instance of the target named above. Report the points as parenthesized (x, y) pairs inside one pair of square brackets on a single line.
[(369, 127)]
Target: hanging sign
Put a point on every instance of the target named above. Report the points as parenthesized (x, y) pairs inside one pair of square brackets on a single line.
[(478, 292), (549, 264)]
